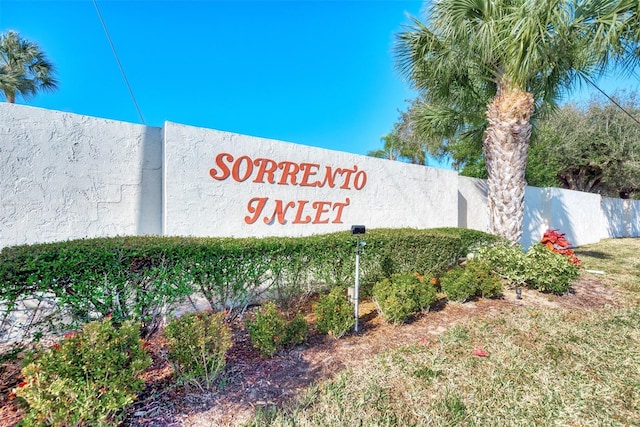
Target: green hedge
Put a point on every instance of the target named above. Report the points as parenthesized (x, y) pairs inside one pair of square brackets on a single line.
[(137, 277)]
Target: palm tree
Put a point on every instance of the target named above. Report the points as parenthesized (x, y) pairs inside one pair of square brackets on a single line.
[(392, 147), (24, 68), (511, 60)]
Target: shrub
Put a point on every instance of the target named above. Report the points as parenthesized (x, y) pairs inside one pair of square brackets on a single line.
[(549, 271), (132, 278), (540, 268), (270, 331), (296, 331), (473, 280), (402, 295), (556, 242), (86, 379), (197, 344), (509, 262), (334, 313), (456, 285), (142, 278)]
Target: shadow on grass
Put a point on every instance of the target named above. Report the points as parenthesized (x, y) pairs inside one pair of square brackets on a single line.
[(593, 254)]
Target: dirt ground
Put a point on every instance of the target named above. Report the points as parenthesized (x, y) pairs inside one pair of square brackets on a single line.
[(253, 381)]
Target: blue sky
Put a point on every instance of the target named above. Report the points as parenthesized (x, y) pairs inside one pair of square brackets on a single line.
[(317, 73)]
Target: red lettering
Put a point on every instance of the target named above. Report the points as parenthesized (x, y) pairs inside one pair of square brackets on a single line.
[(321, 208), (267, 166), (242, 169), (289, 169), (329, 177), (339, 206), (224, 169), (255, 210), (236, 169), (360, 180), (280, 212), (298, 220), (345, 184), (308, 169)]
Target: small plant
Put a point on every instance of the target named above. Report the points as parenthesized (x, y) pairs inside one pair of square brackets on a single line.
[(540, 268), (296, 330), (549, 271), (334, 313), (556, 242), (475, 279), (270, 331), (197, 344), (456, 285), (509, 262), (402, 295), (86, 379)]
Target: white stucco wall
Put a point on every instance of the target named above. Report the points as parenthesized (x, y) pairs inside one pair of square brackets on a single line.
[(66, 176), (578, 215), (633, 218), (374, 192), (622, 217), (472, 204)]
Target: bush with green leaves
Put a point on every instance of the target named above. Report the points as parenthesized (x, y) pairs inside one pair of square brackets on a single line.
[(475, 279), (548, 271), (540, 268), (86, 379), (509, 261), (142, 278), (270, 330), (403, 295), (128, 278), (334, 313), (197, 345)]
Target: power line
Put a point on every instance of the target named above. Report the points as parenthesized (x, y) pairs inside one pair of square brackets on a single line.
[(124, 75), (612, 100)]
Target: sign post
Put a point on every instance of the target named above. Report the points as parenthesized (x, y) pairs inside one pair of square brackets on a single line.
[(357, 230)]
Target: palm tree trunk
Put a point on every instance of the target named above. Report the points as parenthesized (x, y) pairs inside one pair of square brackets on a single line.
[(11, 98), (505, 147)]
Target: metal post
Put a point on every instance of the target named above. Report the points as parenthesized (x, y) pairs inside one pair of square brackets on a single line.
[(356, 299)]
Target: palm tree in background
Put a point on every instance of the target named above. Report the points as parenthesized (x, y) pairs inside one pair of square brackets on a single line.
[(392, 146), (24, 68), (486, 68)]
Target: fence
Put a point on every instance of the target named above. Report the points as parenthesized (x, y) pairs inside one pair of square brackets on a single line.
[(67, 176)]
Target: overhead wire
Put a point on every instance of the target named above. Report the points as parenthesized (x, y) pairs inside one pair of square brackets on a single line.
[(591, 82), (115, 54)]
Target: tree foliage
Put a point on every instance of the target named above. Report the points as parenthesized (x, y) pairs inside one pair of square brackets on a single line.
[(486, 69), (593, 147), (403, 144), (24, 68)]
